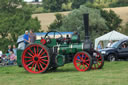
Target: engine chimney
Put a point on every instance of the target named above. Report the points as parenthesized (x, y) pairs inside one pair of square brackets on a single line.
[(87, 42), (86, 25)]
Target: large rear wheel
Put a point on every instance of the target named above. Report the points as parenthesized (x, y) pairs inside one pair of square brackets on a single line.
[(35, 58), (98, 61), (82, 61)]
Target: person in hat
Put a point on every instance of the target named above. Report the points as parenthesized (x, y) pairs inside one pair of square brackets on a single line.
[(26, 38)]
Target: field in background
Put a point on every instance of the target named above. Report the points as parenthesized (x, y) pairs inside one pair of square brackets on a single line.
[(122, 12), (47, 18), (113, 73)]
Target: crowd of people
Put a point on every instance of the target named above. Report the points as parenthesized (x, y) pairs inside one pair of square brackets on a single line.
[(10, 57)]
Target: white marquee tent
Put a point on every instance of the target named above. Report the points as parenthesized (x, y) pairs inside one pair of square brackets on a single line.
[(113, 35)]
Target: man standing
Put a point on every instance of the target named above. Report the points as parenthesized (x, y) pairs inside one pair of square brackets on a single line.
[(32, 37), (109, 44), (26, 38)]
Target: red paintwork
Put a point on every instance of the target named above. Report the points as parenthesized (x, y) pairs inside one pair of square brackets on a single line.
[(43, 41), (83, 63), (35, 59)]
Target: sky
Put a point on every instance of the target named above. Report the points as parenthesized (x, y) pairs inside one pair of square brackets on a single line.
[(30, 0)]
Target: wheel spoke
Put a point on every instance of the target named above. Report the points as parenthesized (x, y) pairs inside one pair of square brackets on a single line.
[(86, 56), (35, 50), (31, 51), (35, 67), (29, 64), (82, 56), (32, 66), (78, 60), (44, 60), (43, 57), (30, 54), (27, 61), (87, 60), (87, 64), (41, 66), (79, 65), (84, 66), (38, 66), (40, 52), (43, 63)]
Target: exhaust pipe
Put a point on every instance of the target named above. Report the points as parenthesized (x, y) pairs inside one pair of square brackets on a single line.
[(87, 42), (86, 25)]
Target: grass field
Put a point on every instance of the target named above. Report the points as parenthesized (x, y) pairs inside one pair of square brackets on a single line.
[(113, 73)]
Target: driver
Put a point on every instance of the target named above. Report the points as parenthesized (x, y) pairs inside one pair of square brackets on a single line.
[(124, 45)]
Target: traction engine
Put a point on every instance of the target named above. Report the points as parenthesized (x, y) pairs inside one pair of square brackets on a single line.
[(49, 53)]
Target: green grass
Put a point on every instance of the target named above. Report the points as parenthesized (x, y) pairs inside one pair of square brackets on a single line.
[(113, 73)]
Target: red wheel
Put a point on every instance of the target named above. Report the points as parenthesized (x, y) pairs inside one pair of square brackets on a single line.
[(82, 61), (99, 62), (35, 58)]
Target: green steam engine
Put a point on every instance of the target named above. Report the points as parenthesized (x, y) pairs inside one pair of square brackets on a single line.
[(50, 53)]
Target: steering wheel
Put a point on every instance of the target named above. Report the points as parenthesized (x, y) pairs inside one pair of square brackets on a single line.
[(48, 39)]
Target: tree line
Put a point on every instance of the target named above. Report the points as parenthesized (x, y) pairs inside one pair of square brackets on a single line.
[(15, 18)]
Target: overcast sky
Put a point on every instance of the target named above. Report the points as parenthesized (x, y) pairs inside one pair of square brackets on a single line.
[(30, 0)]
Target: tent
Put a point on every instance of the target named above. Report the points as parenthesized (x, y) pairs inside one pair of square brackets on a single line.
[(113, 35)]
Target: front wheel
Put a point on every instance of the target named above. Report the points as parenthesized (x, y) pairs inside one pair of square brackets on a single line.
[(35, 58), (111, 57), (82, 61)]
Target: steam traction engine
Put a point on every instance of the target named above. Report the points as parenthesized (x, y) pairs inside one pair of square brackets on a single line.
[(50, 53)]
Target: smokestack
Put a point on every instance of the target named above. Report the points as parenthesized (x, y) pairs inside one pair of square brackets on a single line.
[(86, 25)]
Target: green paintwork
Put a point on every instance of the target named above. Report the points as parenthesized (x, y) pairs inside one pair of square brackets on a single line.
[(74, 38), (72, 48), (19, 55), (60, 60), (63, 49)]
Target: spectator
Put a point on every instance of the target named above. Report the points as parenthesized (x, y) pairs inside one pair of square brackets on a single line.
[(109, 44), (99, 47), (12, 57), (5, 59), (32, 37), (9, 48), (26, 38), (15, 50)]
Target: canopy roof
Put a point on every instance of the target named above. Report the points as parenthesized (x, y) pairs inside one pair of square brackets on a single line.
[(113, 35)]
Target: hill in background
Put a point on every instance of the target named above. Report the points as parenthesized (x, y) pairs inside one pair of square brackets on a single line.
[(47, 18)]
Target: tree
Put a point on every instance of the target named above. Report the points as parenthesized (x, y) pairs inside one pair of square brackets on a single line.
[(57, 22), (15, 18), (74, 22), (113, 20), (77, 3), (54, 5)]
